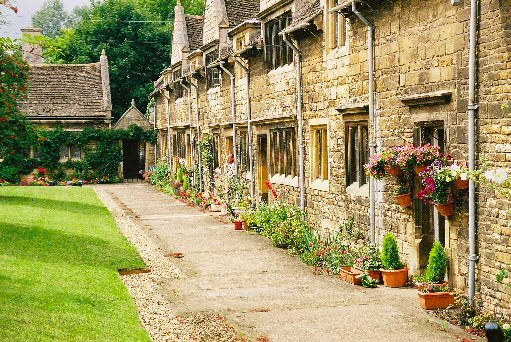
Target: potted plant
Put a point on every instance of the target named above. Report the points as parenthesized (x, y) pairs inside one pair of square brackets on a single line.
[(403, 195), (425, 155), (394, 273), (370, 263), (434, 292), (437, 182), (460, 173)]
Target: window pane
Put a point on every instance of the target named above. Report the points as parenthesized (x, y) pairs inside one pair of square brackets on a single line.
[(76, 152), (64, 152), (324, 155)]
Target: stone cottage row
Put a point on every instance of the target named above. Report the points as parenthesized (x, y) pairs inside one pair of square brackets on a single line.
[(303, 92)]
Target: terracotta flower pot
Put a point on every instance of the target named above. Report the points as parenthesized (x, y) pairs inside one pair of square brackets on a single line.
[(395, 278), (446, 210), (420, 169), (393, 171), (238, 225), (245, 225), (461, 184), (373, 274), (404, 200), (349, 275), (436, 300)]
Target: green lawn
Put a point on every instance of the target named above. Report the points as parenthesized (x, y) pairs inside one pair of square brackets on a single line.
[(60, 250)]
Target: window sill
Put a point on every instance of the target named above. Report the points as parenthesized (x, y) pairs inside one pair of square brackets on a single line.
[(213, 89), (284, 68), (284, 180), (180, 100), (321, 185), (356, 190), (338, 52)]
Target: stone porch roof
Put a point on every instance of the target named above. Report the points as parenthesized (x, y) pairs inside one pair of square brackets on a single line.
[(69, 91), (304, 15), (194, 25), (239, 11)]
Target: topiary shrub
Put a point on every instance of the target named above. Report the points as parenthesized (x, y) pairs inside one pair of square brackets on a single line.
[(437, 264), (390, 254)]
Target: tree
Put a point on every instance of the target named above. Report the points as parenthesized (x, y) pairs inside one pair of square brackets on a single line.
[(164, 9), (137, 48), (51, 18)]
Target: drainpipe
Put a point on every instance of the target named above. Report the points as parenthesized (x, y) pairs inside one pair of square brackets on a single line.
[(189, 92), (168, 129), (199, 135), (233, 108), (472, 108), (299, 115), (372, 120), (250, 137)]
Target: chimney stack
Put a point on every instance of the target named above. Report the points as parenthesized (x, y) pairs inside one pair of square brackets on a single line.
[(32, 53)]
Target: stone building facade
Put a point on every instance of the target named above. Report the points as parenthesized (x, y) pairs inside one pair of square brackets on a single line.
[(421, 58)]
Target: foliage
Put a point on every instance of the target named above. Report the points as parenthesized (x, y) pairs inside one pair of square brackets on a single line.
[(437, 180), (16, 133), (437, 264), (503, 274), (369, 282), (51, 18), (370, 261), (137, 47), (429, 287), (390, 253), (62, 250), (161, 174), (164, 9), (206, 147)]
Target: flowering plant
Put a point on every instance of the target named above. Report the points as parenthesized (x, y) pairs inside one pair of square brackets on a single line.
[(437, 183), (272, 190), (429, 287), (427, 154), (371, 261), (459, 170), (378, 162)]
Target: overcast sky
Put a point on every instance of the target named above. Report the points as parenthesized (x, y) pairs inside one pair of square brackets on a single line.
[(24, 17)]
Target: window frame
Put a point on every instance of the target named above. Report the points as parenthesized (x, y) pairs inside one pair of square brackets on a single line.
[(276, 52), (319, 151), (178, 87), (338, 28), (283, 151), (213, 77), (69, 155), (354, 154)]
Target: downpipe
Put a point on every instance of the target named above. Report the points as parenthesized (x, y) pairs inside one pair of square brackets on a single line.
[(169, 147), (233, 108), (199, 135), (192, 151), (299, 115), (250, 132), (472, 108)]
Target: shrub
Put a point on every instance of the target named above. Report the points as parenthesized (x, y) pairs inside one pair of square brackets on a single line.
[(390, 254), (437, 264)]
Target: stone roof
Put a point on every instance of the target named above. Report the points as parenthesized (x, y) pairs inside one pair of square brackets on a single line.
[(239, 11), (132, 116), (305, 14), (67, 91), (194, 25)]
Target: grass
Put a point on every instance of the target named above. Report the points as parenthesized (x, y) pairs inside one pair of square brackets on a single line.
[(60, 250)]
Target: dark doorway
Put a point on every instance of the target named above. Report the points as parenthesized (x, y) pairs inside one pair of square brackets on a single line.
[(131, 159), (429, 224), (262, 166)]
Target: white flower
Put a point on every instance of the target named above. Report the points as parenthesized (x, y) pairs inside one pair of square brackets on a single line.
[(464, 176), (490, 175), (455, 170), (506, 326), (500, 176)]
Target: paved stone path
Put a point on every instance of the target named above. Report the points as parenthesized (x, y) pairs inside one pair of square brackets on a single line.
[(263, 291)]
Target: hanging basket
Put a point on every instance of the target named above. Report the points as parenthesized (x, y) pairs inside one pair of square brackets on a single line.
[(446, 210), (461, 184), (393, 171), (420, 169), (404, 200)]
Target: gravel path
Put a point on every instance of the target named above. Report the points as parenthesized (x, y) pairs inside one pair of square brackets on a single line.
[(155, 310)]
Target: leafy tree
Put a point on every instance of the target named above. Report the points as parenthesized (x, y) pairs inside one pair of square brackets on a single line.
[(164, 9), (16, 134), (9, 5), (51, 17), (137, 48)]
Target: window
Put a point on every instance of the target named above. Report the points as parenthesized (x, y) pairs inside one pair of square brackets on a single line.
[(70, 152), (337, 27), (244, 160), (215, 151), (283, 151), (357, 153), (178, 87), (213, 74), (240, 43), (319, 164), (277, 52), (179, 145)]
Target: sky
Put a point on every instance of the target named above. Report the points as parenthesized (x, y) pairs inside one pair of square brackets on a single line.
[(14, 22)]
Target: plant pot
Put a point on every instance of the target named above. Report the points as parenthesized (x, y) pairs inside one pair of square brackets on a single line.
[(461, 184), (215, 208), (420, 169), (436, 300), (245, 225), (238, 225), (349, 275), (393, 171), (404, 200), (395, 278), (373, 274), (446, 210)]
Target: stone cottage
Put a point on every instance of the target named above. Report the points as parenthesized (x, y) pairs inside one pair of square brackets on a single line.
[(302, 93), (71, 96)]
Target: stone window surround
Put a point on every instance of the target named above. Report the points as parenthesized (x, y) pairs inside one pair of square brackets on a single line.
[(335, 51), (281, 179), (205, 54), (354, 188), (318, 184), (279, 11)]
